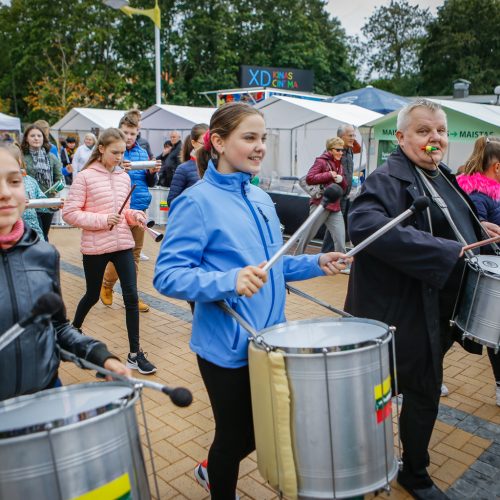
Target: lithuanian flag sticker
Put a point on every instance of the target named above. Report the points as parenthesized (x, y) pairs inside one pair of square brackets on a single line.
[(383, 404), (118, 489)]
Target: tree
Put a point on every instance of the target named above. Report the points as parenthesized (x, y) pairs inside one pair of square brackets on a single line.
[(394, 34), (58, 55), (463, 42)]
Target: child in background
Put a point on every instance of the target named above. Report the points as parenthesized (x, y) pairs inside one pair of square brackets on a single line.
[(94, 200), (43, 166), (186, 174), (481, 181)]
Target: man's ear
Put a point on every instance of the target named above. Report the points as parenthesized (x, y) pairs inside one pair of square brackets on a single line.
[(400, 138)]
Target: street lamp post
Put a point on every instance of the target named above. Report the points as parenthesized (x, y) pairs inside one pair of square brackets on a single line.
[(154, 15)]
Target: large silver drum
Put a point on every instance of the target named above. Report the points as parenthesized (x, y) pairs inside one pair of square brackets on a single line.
[(158, 208), (477, 312), (338, 374), (64, 443)]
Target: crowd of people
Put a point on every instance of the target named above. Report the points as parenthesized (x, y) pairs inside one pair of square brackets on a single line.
[(221, 230)]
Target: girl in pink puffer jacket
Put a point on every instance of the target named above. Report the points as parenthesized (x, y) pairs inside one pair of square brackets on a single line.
[(94, 200)]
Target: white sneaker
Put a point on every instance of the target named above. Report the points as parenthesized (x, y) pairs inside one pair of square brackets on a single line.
[(498, 395), (444, 391), (143, 257)]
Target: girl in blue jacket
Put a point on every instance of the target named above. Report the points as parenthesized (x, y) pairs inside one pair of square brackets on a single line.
[(217, 231)]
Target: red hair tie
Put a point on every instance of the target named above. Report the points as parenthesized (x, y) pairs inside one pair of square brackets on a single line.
[(207, 143)]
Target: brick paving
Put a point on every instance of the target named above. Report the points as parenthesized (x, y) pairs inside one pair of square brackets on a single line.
[(465, 447)]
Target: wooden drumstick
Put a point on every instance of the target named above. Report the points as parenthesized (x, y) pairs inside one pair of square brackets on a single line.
[(481, 243), (125, 202)]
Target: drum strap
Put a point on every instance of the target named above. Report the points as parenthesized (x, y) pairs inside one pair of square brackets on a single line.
[(483, 230), (440, 203)]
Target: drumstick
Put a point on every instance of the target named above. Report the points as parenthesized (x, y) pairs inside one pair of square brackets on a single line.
[(124, 203), (480, 243), (180, 396)]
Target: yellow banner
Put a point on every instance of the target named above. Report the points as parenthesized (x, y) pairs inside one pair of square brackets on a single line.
[(381, 390), (119, 488)]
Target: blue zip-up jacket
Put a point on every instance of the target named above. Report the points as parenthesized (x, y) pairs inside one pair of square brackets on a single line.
[(214, 229), (186, 175), (141, 197)]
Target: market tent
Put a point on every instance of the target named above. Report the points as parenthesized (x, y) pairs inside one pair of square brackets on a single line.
[(10, 123), (159, 119), (83, 120), (372, 98), (466, 122), (299, 128)]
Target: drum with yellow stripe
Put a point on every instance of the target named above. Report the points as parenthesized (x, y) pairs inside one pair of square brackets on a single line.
[(79, 442), (321, 397)]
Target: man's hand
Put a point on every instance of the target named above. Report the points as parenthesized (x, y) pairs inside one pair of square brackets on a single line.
[(329, 262), (492, 229), (126, 165), (250, 280)]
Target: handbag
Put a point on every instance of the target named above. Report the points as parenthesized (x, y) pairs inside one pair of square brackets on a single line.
[(313, 190)]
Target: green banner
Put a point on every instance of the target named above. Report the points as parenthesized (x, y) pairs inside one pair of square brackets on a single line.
[(461, 128)]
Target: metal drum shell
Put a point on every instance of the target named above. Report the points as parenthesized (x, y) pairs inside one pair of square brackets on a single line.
[(156, 209), (57, 220), (102, 445), (363, 450), (478, 309)]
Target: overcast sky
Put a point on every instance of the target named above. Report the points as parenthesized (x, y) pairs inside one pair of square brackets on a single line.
[(354, 13)]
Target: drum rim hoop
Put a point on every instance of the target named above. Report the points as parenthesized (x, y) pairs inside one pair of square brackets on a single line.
[(73, 419), (386, 336)]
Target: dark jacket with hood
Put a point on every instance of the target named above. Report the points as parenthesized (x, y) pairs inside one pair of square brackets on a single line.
[(185, 176), (169, 166), (399, 277), (29, 364)]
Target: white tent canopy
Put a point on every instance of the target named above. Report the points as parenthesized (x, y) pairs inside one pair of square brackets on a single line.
[(299, 128), (466, 122), (10, 123), (159, 119), (83, 120)]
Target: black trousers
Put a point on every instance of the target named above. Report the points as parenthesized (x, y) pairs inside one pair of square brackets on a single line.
[(495, 363), (45, 220), (419, 411), (229, 393), (94, 266)]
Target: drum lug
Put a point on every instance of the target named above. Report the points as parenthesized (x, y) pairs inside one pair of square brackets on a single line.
[(392, 329), (452, 323)]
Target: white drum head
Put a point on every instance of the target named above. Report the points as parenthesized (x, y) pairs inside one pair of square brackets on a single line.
[(488, 263), (60, 406), (331, 334)]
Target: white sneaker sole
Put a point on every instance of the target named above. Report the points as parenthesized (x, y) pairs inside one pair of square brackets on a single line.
[(135, 367)]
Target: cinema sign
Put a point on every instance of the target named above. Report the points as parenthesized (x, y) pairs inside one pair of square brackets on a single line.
[(277, 78)]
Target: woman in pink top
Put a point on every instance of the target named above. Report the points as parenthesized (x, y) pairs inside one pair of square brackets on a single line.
[(93, 203)]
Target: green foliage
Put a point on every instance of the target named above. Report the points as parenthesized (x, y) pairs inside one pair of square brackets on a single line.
[(463, 42), (394, 34), (57, 55)]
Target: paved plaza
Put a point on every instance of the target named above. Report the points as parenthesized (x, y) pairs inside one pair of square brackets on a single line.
[(465, 446)]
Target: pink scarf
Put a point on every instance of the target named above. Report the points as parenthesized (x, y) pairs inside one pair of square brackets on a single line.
[(10, 239)]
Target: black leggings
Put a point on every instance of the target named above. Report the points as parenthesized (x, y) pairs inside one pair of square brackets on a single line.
[(229, 393), (495, 363), (45, 220), (94, 266)]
